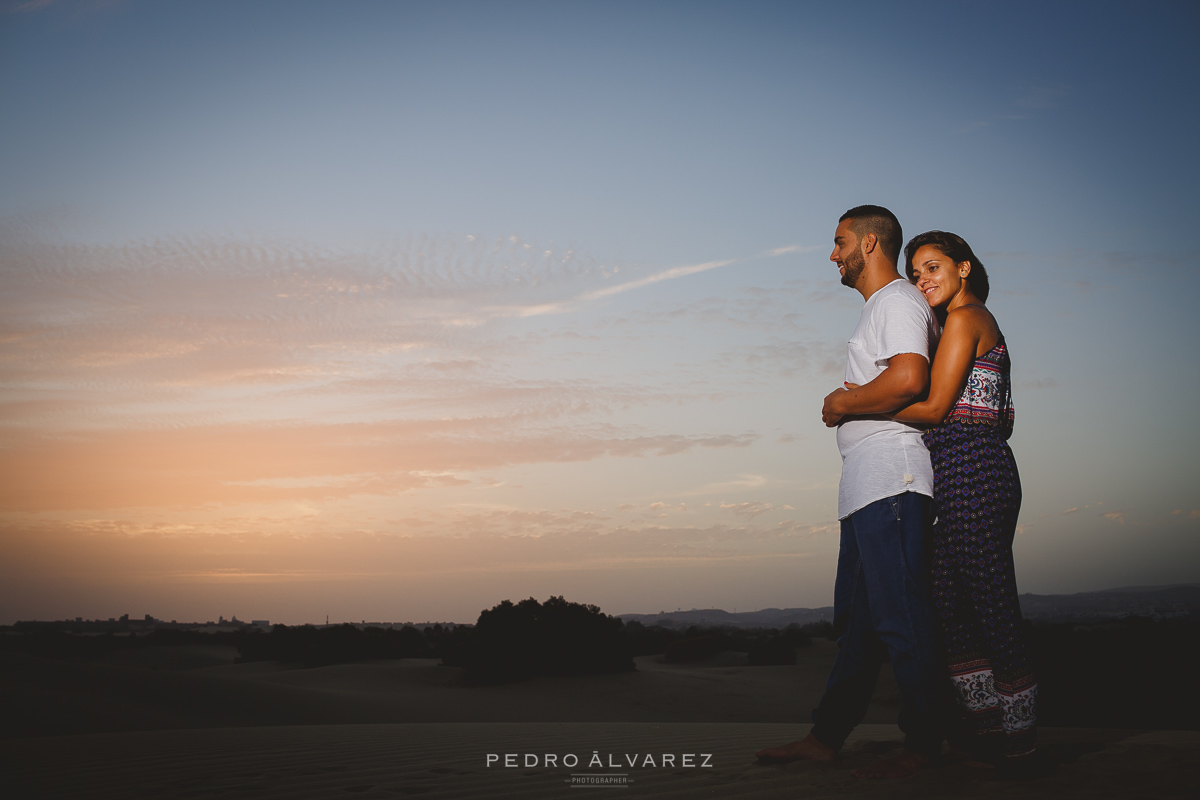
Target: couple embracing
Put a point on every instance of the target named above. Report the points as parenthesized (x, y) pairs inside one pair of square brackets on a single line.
[(928, 505)]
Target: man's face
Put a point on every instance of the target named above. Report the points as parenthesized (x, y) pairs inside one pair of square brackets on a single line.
[(847, 254)]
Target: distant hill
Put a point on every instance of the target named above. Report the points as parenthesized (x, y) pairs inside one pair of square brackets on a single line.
[(1142, 601), (1146, 601)]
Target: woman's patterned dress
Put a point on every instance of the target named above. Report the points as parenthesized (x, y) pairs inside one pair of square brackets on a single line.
[(978, 494)]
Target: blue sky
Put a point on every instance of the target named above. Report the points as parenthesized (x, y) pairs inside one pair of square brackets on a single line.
[(395, 310)]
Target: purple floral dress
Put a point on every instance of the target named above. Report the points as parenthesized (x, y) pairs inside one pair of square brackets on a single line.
[(977, 492)]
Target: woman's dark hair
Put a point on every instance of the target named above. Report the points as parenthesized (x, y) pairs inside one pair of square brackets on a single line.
[(955, 248)]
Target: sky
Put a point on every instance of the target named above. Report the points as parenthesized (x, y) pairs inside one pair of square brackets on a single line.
[(394, 311)]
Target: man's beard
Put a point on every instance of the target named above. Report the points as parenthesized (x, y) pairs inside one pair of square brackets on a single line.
[(854, 265)]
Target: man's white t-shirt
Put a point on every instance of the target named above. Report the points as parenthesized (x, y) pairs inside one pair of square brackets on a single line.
[(882, 457)]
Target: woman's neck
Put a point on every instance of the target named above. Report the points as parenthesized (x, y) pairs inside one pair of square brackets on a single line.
[(964, 298)]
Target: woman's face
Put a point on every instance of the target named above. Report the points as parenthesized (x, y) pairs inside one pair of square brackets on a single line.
[(937, 276)]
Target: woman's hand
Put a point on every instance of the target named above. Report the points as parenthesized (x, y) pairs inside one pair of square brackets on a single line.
[(831, 415)]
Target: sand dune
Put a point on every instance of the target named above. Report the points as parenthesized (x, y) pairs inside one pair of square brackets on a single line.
[(194, 724), (47, 697), (449, 760)]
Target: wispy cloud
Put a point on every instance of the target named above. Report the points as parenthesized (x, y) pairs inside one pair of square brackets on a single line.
[(1028, 101), (197, 465), (794, 248), (177, 387), (1043, 96), (608, 291), (665, 275), (80, 8), (490, 540), (753, 509), (740, 483), (21, 8), (1037, 384), (182, 313)]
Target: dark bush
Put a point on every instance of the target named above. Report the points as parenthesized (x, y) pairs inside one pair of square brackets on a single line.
[(51, 640), (648, 641), (447, 643), (511, 642), (697, 648), (59, 644), (818, 630), (338, 644), (697, 644), (775, 651)]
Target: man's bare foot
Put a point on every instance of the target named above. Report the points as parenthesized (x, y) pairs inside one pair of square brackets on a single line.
[(809, 748), (900, 766)]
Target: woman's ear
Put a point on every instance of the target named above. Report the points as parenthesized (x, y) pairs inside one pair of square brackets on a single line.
[(964, 269)]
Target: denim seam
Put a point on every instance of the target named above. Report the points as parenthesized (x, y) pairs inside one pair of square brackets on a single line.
[(910, 632), (857, 577)]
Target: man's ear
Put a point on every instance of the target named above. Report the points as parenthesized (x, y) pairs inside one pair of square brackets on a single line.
[(868, 243)]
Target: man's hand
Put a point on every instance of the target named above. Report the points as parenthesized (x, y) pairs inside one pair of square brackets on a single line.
[(831, 412)]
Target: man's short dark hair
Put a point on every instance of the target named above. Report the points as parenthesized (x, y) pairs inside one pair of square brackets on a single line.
[(881, 222)]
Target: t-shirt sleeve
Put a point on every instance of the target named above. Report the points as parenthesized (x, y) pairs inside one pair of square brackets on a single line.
[(903, 327)]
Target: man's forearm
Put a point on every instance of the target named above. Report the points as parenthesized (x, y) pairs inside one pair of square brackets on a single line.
[(905, 380)]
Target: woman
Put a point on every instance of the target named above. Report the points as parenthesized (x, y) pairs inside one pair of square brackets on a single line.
[(977, 493)]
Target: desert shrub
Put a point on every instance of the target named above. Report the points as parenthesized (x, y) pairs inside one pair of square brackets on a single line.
[(817, 630), (511, 642), (49, 641), (58, 644), (697, 647), (448, 643), (768, 646), (774, 651), (649, 640), (337, 644)]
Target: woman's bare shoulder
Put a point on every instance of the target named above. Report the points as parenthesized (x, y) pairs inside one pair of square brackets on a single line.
[(972, 314), (973, 321)]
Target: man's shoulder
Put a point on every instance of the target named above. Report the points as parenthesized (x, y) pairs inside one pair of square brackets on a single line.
[(901, 291), (901, 297)]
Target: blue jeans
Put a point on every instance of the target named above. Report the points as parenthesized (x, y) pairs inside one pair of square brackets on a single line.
[(882, 603)]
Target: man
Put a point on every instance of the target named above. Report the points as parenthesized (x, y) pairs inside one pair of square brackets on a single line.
[(881, 594)]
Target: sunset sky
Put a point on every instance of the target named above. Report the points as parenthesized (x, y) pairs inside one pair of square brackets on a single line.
[(392, 311)]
